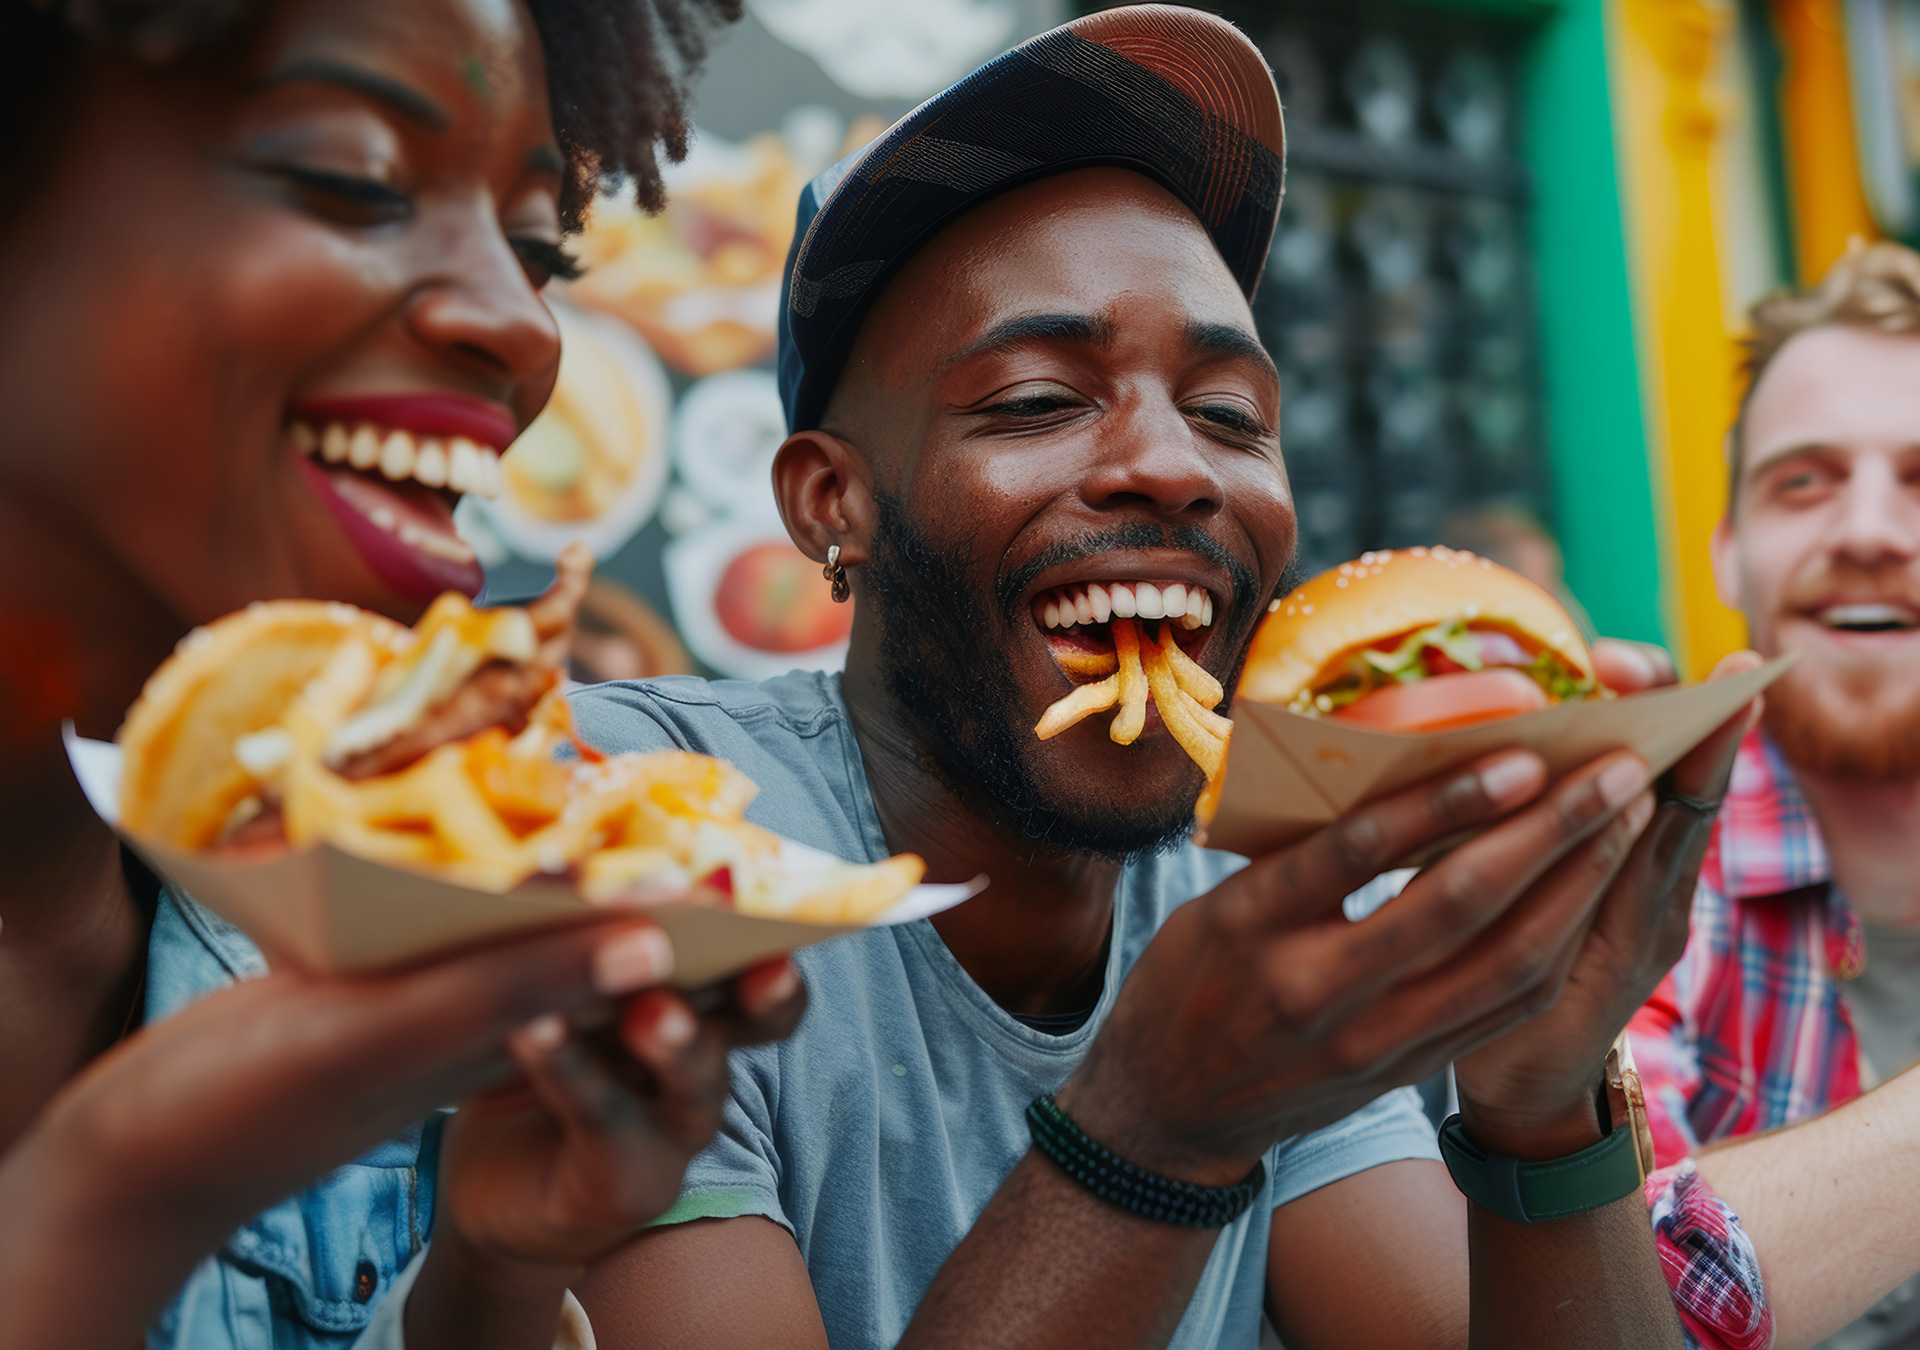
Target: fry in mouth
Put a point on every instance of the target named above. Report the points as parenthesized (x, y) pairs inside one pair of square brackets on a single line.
[(1182, 712), (1132, 719), (1076, 707), (1139, 668)]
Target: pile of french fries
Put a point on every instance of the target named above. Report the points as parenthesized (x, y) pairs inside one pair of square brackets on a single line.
[(1138, 668)]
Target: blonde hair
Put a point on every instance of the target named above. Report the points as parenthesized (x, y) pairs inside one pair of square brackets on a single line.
[(1873, 286)]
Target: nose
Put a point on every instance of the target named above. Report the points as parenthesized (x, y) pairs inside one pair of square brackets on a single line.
[(1879, 517), (480, 312), (1149, 456)]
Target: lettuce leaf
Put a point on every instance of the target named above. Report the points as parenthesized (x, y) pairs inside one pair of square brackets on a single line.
[(1406, 662)]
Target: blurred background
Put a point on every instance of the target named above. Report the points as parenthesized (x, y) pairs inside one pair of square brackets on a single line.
[(1518, 241)]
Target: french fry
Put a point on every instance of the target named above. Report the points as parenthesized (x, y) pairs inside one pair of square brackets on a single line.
[(1082, 703), (1084, 664), (1132, 718), (1206, 717), (1190, 674), (1177, 709)]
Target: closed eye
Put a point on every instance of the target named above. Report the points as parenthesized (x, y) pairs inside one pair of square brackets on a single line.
[(544, 260), (347, 198), (1240, 424)]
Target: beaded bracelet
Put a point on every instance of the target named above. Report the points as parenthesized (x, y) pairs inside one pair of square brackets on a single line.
[(1135, 1189)]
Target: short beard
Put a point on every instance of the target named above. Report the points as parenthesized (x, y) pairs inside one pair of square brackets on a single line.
[(940, 644), (1850, 733)]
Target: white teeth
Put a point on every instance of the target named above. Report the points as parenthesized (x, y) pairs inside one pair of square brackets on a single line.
[(1868, 616), (430, 465), (397, 455), (363, 451), (463, 464), (1102, 606), (460, 464), (449, 547), (1189, 606), (333, 443)]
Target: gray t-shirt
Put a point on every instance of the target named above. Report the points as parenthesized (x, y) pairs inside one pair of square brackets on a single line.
[(879, 1130), (1884, 1005)]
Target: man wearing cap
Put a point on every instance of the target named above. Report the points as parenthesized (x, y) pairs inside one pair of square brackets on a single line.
[(1136, 1092)]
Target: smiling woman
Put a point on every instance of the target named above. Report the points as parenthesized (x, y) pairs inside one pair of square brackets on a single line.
[(269, 306)]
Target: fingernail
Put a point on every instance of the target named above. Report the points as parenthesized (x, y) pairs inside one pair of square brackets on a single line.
[(1505, 777), (1640, 812), (781, 987), (632, 961), (1622, 782), (543, 1035), (674, 1029)]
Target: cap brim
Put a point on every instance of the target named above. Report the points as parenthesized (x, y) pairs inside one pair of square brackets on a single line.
[(1173, 93)]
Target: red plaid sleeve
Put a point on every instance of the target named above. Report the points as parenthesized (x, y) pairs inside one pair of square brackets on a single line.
[(1709, 1263)]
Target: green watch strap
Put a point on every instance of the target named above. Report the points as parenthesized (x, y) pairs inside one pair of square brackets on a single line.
[(1538, 1192)]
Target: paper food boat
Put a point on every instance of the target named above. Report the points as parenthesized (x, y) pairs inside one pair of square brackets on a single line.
[(1287, 775), (324, 910)]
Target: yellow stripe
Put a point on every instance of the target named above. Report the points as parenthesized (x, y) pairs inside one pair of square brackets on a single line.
[(1670, 117)]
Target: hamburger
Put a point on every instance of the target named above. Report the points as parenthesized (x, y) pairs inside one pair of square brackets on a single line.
[(1418, 640)]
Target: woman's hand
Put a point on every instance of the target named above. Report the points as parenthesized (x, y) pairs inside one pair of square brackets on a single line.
[(542, 1175), (163, 1146)]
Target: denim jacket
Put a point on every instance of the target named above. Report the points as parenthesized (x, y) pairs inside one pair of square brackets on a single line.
[(308, 1273)]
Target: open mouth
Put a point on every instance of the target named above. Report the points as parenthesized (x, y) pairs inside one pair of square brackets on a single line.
[(392, 469), (1077, 620), (1868, 617)]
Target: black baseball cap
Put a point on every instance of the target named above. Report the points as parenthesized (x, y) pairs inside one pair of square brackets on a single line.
[(1176, 94)]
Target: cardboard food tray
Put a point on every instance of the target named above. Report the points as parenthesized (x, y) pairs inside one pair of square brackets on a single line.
[(324, 910), (1287, 775)]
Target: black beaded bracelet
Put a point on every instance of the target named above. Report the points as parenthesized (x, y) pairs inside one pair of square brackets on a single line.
[(1135, 1189)]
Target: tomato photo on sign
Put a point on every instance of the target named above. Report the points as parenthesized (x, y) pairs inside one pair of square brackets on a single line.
[(772, 597)]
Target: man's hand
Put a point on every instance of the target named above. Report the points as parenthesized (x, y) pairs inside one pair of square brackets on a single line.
[(1531, 1092), (1260, 1012)]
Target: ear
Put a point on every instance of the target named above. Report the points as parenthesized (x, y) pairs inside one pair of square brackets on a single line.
[(1724, 546), (825, 490)]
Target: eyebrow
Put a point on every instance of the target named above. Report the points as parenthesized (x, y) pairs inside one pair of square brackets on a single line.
[(1026, 330), (547, 159), (402, 98), (1223, 339)]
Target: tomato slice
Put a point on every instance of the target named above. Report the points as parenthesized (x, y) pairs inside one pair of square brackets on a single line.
[(1442, 702)]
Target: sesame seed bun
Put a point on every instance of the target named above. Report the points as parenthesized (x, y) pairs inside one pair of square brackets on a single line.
[(1310, 634), (238, 675)]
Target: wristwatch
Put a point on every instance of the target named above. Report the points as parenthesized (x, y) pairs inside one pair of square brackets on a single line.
[(1558, 1188)]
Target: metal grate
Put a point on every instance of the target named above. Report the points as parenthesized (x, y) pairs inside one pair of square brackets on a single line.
[(1399, 300)]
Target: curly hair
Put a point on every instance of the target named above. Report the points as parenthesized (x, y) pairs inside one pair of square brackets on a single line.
[(617, 72), (1873, 286)]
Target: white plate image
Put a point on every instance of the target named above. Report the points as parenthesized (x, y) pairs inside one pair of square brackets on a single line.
[(697, 563), (725, 433), (611, 402)]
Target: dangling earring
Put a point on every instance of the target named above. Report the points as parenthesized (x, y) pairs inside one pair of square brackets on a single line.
[(837, 574)]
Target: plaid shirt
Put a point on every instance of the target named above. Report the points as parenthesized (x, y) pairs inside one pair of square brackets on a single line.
[(1747, 1033)]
